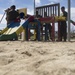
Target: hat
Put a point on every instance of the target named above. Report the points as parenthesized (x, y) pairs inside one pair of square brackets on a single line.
[(13, 7), (62, 7)]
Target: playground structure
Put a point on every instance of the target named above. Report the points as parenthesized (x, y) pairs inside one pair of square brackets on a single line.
[(52, 11), (12, 31), (53, 16)]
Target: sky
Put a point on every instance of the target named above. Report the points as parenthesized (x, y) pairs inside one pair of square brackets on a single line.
[(29, 4)]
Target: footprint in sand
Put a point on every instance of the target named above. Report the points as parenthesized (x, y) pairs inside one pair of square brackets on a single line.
[(1, 49), (71, 52), (5, 61), (40, 72), (27, 53)]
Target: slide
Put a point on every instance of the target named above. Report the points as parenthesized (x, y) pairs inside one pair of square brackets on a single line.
[(5, 29), (12, 31)]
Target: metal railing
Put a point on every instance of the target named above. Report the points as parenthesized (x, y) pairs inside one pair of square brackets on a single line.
[(51, 10)]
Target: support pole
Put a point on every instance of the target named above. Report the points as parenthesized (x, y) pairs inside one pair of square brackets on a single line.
[(68, 20), (34, 7), (53, 31), (2, 17)]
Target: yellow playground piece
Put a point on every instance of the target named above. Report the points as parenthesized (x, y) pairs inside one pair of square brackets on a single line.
[(60, 18), (24, 10)]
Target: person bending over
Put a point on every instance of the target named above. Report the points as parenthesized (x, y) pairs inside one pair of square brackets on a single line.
[(12, 14)]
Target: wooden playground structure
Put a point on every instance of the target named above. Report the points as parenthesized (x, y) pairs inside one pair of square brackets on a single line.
[(53, 16), (40, 23), (52, 11)]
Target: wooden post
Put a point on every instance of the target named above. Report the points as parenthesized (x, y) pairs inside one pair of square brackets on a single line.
[(68, 20), (53, 31), (23, 35), (59, 23)]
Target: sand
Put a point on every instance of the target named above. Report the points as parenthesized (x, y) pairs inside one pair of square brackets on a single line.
[(37, 58)]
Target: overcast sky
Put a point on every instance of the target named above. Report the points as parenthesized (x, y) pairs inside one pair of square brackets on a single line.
[(29, 4)]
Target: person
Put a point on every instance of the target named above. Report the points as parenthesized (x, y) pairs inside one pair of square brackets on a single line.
[(48, 28), (12, 14), (37, 16), (63, 25)]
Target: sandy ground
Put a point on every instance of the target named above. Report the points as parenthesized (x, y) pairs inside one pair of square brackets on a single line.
[(37, 58)]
